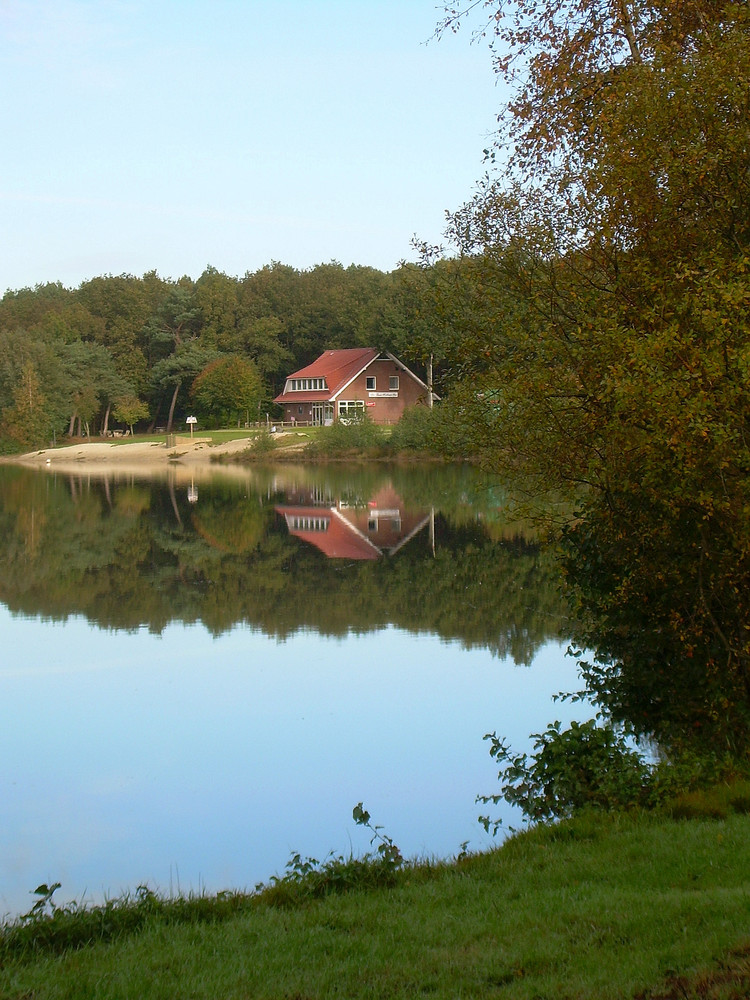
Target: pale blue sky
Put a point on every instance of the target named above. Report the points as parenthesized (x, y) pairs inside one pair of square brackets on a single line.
[(172, 134)]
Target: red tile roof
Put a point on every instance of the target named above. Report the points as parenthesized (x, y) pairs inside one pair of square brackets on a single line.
[(335, 537), (337, 367)]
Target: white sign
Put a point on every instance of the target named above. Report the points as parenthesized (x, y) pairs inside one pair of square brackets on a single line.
[(191, 420), (382, 395)]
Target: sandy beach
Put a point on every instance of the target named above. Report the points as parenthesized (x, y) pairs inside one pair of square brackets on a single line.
[(140, 456)]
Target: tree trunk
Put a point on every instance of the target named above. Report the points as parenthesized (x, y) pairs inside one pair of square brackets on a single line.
[(72, 424), (105, 425), (153, 423), (172, 406)]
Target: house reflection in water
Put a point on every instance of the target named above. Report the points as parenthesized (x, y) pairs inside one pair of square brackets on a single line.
[(346, 529)]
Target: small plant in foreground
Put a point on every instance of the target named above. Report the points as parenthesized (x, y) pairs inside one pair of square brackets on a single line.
[(309, 878), (44, 905), (386, 849)]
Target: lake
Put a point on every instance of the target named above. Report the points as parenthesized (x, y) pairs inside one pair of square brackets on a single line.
[(202, 674)]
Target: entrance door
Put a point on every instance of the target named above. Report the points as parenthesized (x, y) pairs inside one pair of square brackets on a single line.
[(322, 414)]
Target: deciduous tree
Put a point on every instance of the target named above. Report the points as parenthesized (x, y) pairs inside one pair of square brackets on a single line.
[(26, 422), (228, 388), (611, 350)]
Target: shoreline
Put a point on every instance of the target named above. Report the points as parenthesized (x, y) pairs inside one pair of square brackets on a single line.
[(140, 456), (195, 456)]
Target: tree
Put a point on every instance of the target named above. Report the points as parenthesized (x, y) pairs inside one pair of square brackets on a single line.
[(228, 387), (93, 383), (124, 304), (612, 349), (26, 422), (173, 372), (175, 323), (216, 297), (129, 410)]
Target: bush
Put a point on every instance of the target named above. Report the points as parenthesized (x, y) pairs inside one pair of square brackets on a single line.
[(572, 769), (593, 765), (261, 446), (358, 434), (416, 430)]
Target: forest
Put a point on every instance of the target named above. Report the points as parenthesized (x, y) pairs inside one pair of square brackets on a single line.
[(120, 351)]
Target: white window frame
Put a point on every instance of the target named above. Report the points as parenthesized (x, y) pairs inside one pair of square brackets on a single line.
[(393, 382), (349, 408), (307, 384)]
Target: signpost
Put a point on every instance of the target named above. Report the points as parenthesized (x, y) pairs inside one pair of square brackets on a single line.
[(192, 421)]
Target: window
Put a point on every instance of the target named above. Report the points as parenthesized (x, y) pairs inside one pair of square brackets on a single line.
[(350, 409), (301, 523), (371, 382), (393, 381), (306, 384)]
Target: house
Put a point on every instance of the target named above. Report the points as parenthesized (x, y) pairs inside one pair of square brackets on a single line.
[(342, 384)]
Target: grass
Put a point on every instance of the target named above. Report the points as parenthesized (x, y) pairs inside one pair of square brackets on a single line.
[(215, 437), (597, 907)]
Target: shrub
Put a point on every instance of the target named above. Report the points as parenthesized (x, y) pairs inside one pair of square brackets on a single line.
[(594, 765), (357, 434), (569, 770), (416, 430), (261, 446)]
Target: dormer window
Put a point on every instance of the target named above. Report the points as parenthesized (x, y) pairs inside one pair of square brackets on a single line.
[(306, 385)]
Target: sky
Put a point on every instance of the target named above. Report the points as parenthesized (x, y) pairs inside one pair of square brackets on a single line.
[(171, 135)]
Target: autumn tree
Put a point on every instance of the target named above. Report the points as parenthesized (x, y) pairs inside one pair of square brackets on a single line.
[(611, 349), (129, 410), (228, 388), (26, 422)]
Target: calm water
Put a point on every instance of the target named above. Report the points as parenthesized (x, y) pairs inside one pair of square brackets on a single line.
[(200, 676)]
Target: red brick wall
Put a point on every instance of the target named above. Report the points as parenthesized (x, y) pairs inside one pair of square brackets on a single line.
[(385, 409)]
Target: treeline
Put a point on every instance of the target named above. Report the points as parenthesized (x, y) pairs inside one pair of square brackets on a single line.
[(141, 350)]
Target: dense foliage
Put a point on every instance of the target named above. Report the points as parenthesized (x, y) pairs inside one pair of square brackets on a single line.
[(147, 350), (604, 286)]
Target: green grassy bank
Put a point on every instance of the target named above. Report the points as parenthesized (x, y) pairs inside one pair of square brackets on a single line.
[(596, 907)]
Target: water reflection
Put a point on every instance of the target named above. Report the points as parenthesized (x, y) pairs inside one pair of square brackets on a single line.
[(429, 550), (194, 686), (354, 529)]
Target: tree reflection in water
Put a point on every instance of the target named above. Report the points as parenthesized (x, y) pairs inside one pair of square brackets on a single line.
[(334, 550)]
